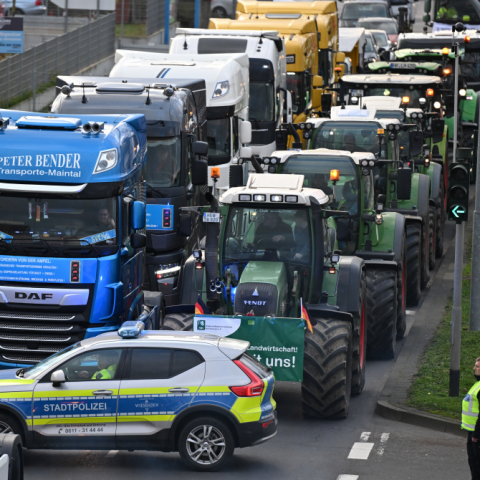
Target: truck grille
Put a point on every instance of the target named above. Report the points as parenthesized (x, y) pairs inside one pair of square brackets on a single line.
[(34, 338), (21, 359), (24, 348), (29, 316), (44, 328)]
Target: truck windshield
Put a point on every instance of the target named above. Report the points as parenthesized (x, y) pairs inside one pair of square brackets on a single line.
[(396, 91), (350, 136), (164, 160), (262, 102), (300, 90), (267, 234), (451, 12), (317, 168), (218, 137), (58, 221), (354, 11)]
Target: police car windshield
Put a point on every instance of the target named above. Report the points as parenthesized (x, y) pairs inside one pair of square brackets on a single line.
[(40, 368), (58, 221)]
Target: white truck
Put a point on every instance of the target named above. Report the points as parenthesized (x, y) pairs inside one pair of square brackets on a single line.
[(227, 84), (270, 102)]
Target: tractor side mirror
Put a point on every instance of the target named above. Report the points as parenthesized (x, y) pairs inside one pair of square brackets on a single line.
[(438, 126), (415, 142), (200, 148), (184, 225), (404, 183)]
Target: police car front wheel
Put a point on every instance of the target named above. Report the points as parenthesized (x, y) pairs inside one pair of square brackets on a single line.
[(206, 444), (9, 425)]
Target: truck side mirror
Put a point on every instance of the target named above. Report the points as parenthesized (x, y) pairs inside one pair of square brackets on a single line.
[(340, 57), (235, 176), (404, 183), (199, 172), (138, 240), (57, 378), (289, 115), (281, 139), (245, 132), (184, 225), (138, 215), (246, 152), (415, 142), (426, 18), (326, 102), (317, 81), (438, 125), (200, 148)]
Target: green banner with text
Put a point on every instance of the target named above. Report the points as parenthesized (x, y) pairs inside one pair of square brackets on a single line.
[(276, 342)]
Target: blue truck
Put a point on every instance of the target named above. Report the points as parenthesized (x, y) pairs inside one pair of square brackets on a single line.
[(72, 231)]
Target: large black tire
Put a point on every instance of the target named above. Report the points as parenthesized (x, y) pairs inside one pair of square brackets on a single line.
[(9, 424), (402, 293), (181, 322), (381, 313), (359, 354), (425, 249), (327, 370), (207, 438), (431, 236), (440, 220), (414, 262)]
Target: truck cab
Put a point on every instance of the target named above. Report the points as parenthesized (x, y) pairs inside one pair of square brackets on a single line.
[(172, 139), (267, 69), (227, 86), (72, 223)]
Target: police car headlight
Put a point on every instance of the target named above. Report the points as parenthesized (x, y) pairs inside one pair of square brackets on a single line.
[(106, 161), (221, 89)]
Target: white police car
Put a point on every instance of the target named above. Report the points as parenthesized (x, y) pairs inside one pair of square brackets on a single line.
[(198, 394)]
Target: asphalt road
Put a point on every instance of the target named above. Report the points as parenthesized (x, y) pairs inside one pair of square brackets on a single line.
[(303, 448)]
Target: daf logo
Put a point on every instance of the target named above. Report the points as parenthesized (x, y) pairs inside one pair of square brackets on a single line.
[(33, 296)]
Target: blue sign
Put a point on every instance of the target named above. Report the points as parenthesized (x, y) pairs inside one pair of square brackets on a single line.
[(11, 35), (45, 270), (99, 237), (160, 217), (6, 237)]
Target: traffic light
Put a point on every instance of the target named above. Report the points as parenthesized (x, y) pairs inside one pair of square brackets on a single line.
[(457, 193)]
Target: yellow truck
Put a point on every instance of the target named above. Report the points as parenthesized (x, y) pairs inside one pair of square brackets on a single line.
[(301, 55), (325, 18)]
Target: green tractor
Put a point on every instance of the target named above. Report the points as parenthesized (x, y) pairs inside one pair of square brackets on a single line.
[(267, 264), (415, 149), (358, 130), (364, 229)]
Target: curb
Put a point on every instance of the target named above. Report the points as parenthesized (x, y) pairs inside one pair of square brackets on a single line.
[(390, 404)]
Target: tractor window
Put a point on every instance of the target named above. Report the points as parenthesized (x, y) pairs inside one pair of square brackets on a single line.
[(368, 191), (349, 136), (267, 234), (397, 91), (451, 12), (344, 192)]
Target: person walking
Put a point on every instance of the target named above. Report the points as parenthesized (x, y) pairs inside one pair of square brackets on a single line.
[(470, 410)]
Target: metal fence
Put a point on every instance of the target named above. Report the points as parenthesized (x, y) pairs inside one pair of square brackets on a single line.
[(155, 16), (66, 54)]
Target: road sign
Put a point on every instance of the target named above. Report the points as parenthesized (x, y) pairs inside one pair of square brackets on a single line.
[(11, 35)]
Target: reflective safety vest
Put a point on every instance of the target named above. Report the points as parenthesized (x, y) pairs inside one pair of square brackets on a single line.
[(470, 408), (105, 374), (447, 13)]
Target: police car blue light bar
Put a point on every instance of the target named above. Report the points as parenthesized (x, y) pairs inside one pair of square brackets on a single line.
[(131, 329)]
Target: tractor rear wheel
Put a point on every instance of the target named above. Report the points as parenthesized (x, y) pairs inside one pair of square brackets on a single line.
[(440, 220), (181, 322), (381, 313), (414, 262), (359, 341), (402, 293), (431, 241), (425, 249), (327, 370)]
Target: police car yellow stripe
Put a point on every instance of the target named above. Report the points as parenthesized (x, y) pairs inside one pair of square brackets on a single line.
[(67, 394), (145, 418), (57, 420), (27, 394), (6, 383)]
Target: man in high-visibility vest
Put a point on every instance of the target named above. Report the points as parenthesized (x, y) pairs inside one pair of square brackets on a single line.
[(447, 11), (470, 410)]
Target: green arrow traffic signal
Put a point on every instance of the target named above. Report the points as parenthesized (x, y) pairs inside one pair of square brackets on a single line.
[(457, 211), (458, 191)]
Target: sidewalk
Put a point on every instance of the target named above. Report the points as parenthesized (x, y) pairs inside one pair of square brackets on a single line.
[(390, 404)]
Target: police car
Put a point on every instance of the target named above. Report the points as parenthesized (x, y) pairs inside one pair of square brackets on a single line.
[(198, 394)]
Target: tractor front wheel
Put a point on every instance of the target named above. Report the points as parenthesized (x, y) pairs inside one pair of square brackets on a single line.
[(414, 262), (359, 341), (431, 241), (181, 322), (327, 370)]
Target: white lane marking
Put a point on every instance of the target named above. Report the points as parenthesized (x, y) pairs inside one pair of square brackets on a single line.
[(360, 451), (111, 453), (365, 436), (347, 477), (383, 440), (410, 312)]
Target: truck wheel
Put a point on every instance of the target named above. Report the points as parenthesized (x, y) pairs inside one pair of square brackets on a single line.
[(359, 341), (402, 294), (432, 235), (381, 313), (181, 322), (425, 249), (327, 370), (206, 444), (414, 261)]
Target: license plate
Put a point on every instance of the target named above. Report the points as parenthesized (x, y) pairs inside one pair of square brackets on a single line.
[(209, 217), (402, 65), (357, 93)]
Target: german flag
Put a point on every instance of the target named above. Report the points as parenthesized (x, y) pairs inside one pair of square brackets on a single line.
[(201, 308), (305, 316)]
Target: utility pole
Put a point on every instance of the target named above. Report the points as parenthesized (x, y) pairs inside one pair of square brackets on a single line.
[(475, 285), (456, 324)]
